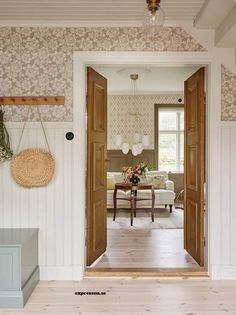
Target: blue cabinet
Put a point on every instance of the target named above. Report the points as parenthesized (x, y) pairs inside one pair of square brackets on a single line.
[(19, 271)]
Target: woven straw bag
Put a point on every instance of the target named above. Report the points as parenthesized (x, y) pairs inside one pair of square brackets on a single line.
[(33, 167)]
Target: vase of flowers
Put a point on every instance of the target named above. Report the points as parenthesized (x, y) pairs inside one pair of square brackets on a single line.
[(133, 173)]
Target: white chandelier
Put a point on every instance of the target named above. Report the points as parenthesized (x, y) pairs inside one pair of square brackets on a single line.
[(139, 141)]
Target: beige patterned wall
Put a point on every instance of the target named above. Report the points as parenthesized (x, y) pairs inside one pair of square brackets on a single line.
[(38, 61), (121, 122), (228, 91)]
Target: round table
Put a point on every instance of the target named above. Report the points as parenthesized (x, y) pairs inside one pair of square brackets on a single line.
[(133, 198)]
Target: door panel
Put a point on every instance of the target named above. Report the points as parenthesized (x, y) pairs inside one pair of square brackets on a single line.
[(192, 181), (99, 108), (99, 175), (194, 168), (96, 165), (99, 233)]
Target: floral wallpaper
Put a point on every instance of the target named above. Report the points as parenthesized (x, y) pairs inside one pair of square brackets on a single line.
[(228, 94), (38, 60), (122, 121)]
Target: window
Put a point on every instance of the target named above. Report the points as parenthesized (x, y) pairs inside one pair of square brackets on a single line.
[(170, 139)]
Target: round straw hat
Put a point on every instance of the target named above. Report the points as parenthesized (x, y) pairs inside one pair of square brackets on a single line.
[(33, 167)]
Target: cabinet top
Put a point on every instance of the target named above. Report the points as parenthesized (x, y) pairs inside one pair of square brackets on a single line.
[(16, 237)]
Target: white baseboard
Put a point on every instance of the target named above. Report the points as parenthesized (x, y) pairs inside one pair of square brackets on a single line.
[(61, 272), (223, 272)]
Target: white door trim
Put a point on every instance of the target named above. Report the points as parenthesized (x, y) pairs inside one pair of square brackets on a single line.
[(81, 60)]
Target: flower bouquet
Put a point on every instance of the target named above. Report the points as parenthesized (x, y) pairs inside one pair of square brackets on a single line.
[(133, 173)]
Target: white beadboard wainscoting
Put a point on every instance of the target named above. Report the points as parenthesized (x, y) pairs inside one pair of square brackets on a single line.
[(227, 269), (51, 208), (48, 208)]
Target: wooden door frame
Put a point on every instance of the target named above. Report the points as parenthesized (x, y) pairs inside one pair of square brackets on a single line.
[(213, 87)]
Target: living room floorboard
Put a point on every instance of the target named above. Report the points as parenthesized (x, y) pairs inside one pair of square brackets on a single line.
[(156, 248), (131, 296)]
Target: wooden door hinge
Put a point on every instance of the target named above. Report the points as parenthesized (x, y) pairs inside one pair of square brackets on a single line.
[(204, 99), (204, 242)]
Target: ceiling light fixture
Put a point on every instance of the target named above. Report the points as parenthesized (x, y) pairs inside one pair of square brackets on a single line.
[(154, 16)]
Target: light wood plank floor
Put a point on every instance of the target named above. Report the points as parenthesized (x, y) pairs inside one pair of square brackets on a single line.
[(157, 248), (132, 297)]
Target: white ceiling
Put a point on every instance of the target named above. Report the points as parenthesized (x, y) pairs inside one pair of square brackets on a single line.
[(206, 20), (104, 12), (223, 21), (151, 79), (219, 15)]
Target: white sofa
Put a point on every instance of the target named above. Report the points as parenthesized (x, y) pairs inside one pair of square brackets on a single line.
[(165, 196)]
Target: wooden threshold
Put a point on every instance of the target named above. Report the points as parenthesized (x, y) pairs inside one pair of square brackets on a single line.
[(146, 272)]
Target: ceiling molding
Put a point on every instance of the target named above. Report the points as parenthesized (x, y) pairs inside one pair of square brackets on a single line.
[(38, 23)]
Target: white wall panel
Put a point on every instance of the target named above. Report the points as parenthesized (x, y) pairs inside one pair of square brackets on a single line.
[(233, 196), (51, 208), (228, 210), (48, 208), (225, 201)]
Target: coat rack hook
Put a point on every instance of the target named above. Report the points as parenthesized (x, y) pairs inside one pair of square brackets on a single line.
[(32, 100)]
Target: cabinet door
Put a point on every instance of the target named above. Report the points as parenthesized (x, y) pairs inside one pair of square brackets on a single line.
[(10, 265)]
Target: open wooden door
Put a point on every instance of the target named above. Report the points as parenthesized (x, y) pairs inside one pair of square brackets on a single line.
[(96, 165), (194, 168)]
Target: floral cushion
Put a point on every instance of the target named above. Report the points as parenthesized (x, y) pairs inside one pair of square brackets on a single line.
[(158, 182), (157, 173), (110, 182)]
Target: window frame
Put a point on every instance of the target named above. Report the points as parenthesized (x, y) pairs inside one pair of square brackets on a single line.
[(156, 129)]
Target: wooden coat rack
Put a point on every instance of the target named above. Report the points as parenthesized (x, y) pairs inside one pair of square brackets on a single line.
[(32, 100)]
